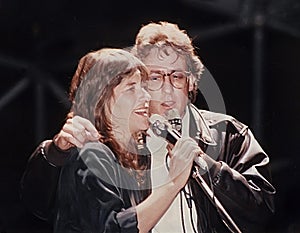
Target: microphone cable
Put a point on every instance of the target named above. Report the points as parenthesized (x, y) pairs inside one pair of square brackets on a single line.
[(181, 213), (189, 199)]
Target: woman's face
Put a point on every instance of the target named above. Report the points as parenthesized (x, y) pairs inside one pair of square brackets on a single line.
[(130, 106)]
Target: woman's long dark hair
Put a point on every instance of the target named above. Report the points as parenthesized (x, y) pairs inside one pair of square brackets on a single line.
[(91, 92)]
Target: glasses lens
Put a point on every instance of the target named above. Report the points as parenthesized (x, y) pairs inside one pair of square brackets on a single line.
[(178, 79), (155, 81)]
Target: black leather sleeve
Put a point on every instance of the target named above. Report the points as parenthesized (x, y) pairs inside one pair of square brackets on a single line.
[(39, 180), (243, 181)]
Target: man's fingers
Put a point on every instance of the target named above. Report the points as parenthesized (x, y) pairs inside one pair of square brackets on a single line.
[(65, 141), (70, 139), (77, 127), (76, 132), (87, 125), (79, 133)]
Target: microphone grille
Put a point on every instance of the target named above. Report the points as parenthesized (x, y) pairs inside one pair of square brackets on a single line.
[(174, 119)]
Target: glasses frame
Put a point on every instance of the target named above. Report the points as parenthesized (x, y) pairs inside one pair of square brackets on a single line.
[(169, 74)]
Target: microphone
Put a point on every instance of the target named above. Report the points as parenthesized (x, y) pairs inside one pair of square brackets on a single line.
[(163, 128)]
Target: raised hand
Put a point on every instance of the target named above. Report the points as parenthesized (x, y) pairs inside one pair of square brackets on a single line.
[(75, 133)]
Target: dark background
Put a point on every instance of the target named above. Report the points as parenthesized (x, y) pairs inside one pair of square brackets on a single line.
[(251, 47)]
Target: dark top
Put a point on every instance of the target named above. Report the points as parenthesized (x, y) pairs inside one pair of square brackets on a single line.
[(96, 194)]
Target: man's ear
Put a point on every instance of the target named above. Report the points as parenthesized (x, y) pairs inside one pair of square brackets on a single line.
[(192, 80)]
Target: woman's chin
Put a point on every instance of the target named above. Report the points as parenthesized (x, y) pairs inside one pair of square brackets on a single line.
[(140, 124)]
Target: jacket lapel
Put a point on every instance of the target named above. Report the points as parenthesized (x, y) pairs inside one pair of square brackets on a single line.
[(198, 128)]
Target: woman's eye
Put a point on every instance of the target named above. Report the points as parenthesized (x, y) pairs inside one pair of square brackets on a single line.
[(131, 88)]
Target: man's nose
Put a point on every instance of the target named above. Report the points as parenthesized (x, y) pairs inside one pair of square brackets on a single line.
[(167, 86)]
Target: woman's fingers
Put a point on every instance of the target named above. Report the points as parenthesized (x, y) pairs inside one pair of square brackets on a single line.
[(183, 154)]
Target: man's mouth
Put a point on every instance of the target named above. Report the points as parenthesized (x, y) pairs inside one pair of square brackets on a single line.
[(168, 104)]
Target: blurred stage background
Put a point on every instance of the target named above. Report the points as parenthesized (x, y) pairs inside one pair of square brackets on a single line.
[(251, 47)]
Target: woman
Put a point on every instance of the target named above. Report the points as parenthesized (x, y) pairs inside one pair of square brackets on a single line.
[(106, 186)]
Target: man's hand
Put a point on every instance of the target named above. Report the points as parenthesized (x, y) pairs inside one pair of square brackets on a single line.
[(76, 132)]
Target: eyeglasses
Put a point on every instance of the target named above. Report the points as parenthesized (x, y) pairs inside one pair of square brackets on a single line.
[(156, 79)]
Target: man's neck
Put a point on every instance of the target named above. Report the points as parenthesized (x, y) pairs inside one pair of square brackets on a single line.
[(185, 123)]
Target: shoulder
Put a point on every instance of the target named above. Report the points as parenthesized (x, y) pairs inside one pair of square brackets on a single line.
[(96, 155), (100, 163), (98, 147), (214, 119)]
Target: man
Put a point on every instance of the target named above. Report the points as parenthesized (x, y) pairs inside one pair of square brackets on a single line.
[(237, 169)]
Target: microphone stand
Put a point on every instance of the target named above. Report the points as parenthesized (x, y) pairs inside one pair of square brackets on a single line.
[(206, 189)]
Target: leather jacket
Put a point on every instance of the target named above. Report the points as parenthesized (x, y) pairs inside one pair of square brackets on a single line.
[(96, 194), (241, 181)]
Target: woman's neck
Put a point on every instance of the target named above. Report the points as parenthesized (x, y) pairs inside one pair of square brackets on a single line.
[(124, 140)]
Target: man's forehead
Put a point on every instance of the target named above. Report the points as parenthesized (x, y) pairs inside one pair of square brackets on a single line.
[(165, 57)]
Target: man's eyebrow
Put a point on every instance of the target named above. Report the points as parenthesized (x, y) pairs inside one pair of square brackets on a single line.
[(155, 69), (162, 70)]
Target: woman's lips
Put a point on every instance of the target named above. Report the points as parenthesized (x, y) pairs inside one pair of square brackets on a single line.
[(143, 111)]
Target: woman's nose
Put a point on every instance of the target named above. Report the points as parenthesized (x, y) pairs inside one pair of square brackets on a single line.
[(146, 94)]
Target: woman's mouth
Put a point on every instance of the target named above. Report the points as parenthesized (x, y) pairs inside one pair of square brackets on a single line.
[(143, 111)]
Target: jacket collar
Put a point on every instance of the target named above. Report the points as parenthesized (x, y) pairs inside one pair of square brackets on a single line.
[(198, 127)]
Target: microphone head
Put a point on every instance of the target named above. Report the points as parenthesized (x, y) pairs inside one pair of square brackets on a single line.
[(159, 125), (157, 118), (174, 119), (162, 128)]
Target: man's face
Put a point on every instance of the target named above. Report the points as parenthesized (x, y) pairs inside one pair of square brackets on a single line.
[(168, 96)]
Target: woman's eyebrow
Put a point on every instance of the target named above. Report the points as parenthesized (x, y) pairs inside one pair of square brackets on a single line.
[(131, 83)]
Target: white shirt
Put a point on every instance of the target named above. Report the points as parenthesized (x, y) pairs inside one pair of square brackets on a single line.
[(171, 221)]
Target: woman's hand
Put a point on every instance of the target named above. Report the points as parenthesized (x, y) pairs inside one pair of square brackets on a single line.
[(153, 208), (182, 157), (76, 132)]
